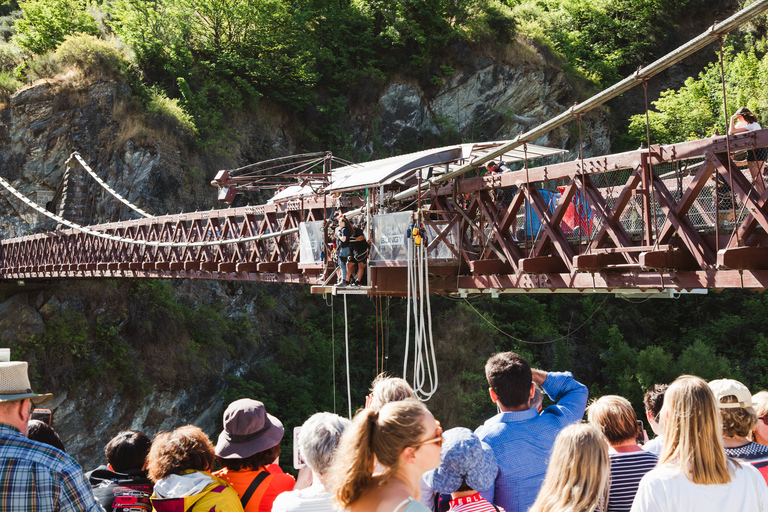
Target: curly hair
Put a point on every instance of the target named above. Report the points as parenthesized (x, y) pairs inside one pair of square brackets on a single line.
[(737, 422), (173, 453)]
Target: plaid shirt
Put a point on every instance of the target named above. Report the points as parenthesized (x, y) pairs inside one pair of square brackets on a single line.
[(35, 477)]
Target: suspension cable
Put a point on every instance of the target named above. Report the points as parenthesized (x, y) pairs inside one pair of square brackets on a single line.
[(106, 187), (727, 139), (652, 194), (148, 243)]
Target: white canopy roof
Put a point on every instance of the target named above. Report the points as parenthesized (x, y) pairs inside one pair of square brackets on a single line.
[(388, 170)]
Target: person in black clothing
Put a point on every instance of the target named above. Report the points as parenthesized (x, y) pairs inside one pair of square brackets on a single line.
[(358, 256), (122, 485), (344, 236)]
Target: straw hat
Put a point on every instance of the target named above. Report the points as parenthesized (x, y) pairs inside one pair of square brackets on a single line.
[(14, 383)]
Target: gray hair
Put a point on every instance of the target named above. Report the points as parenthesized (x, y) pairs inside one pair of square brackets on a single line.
[(319, 438)]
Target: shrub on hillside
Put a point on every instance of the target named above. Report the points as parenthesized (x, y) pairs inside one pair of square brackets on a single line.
[(8, 85), (11, 55), (7, 24), (92, 55), (168, 109), (40, 66), (47, 22)]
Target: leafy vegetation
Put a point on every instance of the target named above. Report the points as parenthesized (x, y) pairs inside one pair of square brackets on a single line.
[(695, 111), (208, 59)]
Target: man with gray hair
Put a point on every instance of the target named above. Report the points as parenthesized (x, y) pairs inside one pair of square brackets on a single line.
[(34, 477), (318, 440)]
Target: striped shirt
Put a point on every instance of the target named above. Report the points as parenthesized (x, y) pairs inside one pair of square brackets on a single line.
[(627, 469), (473, 503), (36, 477)]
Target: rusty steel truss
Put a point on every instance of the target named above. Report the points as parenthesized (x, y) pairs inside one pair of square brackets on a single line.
[(678, 217)]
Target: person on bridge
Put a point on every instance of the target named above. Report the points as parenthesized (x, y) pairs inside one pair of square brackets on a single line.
[(248, 449), (745, 121), (358, 257), (694, 474), (522, 438), (34, 477), (344, 237)]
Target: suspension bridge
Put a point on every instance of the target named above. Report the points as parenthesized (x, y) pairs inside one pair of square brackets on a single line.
[(661, 219)]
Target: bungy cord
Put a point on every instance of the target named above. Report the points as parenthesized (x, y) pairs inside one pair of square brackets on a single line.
[(424, 365)]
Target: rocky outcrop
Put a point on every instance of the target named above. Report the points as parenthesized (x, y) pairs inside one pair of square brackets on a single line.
[(19, 320), (487, 100)]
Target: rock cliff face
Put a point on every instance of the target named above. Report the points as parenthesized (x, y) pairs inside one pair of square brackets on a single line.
[(486, 100), (157, 170)]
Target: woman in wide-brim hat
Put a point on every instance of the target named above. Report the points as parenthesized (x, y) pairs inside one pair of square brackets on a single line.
[(248, 450)]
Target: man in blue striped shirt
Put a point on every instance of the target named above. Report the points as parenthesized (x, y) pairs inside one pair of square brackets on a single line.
[(34, 477), (520, 437)]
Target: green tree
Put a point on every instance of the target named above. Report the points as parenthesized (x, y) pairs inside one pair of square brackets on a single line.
[(695, 110), (47, 22)]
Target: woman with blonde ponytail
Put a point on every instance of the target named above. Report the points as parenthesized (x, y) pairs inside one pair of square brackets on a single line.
[(693, 474), (577, 474), (405, 438)]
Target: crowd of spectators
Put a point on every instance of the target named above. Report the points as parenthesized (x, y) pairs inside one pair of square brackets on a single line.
[(709, 454)]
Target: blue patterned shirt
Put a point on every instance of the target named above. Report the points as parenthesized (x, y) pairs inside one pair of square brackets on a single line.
[(35, 477), (522, 442)]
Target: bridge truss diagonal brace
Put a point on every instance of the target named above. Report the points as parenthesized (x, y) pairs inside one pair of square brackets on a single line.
[(753, 201), (503, 233), (676, 212), (610, 218), (551, 227)]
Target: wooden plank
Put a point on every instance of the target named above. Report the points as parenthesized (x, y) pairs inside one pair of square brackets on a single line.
[(678, 259), (596, 262), (634, 248), (267, 266), (743, 258), (227, 267), (288, 267), (247, 266), (543, 265), (491, 266)]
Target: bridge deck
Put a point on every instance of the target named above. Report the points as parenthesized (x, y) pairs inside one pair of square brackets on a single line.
[(677, 217)]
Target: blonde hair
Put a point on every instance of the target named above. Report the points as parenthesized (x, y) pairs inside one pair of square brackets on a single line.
[(615, 416), (577, 474), (385, 434), (389, 389), (760, 403), (693, 438)]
